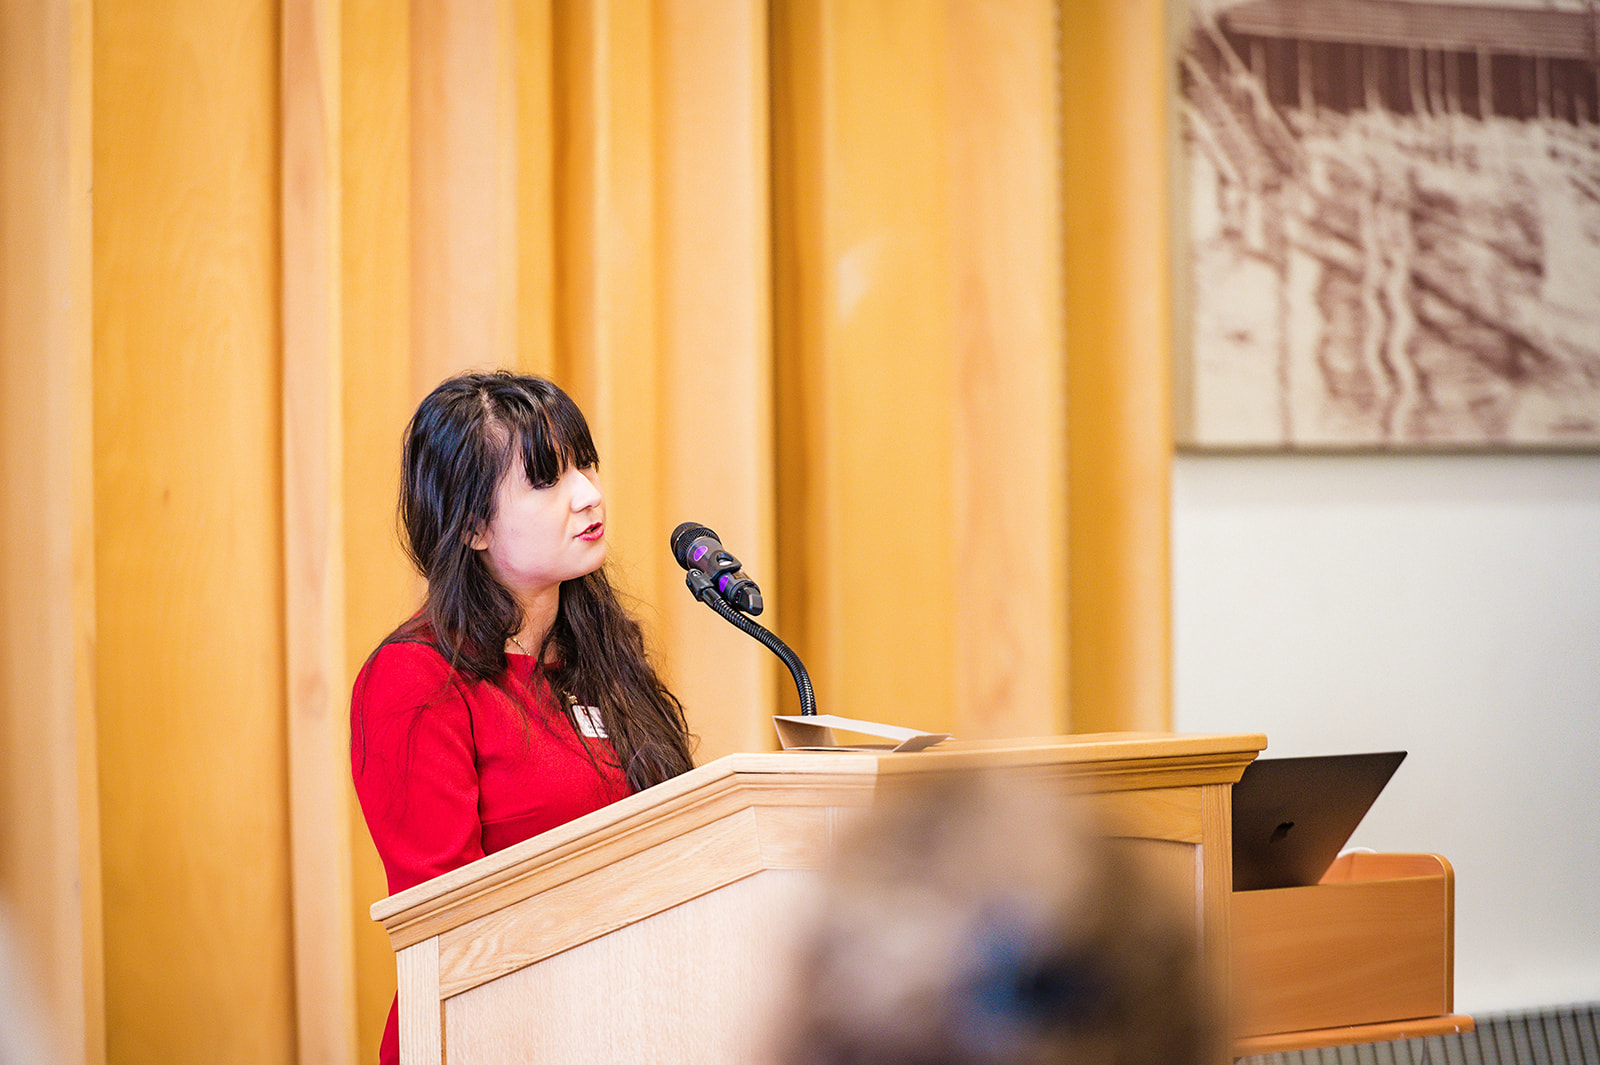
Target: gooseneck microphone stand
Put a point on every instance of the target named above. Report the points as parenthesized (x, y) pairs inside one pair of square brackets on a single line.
[(702, 588)]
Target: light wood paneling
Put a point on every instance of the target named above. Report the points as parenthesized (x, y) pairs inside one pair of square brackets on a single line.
[(189, 579), (533, 78), (922, 405), (708, 1023), (801, 262), (49, 823), (379, 395), (1114, 106), (420, 1029), (867, 370), (1216, 871), (571, 914), (1010, 398), (463, 188), (313, 531), (715, 433)]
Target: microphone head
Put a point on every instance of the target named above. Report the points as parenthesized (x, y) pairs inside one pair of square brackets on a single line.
[(683, 536), (747, 598)]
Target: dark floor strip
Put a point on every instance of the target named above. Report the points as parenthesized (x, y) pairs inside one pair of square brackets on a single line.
[(1567, 1035)]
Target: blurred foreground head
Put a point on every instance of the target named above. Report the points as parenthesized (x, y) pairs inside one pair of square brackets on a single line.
[(970, 922)]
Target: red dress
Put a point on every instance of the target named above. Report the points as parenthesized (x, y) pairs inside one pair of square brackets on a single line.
[(448, 770)]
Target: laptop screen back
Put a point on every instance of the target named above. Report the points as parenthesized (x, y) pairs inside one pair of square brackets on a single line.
[(1292, 816)]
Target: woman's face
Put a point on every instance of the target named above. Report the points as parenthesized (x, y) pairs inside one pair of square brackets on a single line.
[(541, 536)]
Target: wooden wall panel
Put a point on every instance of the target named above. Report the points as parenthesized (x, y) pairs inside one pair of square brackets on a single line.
[(1010, 398), (921, 367), (189, 578), (463, 176), (534, 88), (1116, 65), (715, 433), (802, 261), (49, 846), (867, 370), (798, 70), (379, 394), (313, 530)]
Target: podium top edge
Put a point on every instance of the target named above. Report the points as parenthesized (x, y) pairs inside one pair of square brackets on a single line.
[(1085, 753), (1083, 749)]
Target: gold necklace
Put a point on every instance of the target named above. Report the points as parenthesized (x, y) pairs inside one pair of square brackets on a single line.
[(521, 648)]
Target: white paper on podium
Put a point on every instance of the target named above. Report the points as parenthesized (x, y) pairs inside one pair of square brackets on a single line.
[(815, 732)]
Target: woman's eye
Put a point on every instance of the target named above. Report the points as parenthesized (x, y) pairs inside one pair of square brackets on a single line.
[(551, 483)]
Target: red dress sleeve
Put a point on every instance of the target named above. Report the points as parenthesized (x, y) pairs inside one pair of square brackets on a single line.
[(413, 758)]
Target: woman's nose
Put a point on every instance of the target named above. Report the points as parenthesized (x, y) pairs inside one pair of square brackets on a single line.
[(585, 492)]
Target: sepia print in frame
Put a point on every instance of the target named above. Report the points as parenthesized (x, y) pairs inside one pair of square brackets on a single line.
[(1388, 224)]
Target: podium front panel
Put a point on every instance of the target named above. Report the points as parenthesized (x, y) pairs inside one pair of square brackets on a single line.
[(655, 930)]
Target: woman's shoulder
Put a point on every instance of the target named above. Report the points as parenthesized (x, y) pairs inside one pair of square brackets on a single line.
[(409, 650), (401, 667)]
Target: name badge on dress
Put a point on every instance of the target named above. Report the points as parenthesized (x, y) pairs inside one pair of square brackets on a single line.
[(589, 721)]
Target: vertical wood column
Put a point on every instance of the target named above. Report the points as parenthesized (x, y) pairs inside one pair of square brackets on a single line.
[(867, 370), (533, 79), (714, 229), (463, 188), (379, 394), (921, 376), (1116, 62), (189, 653), (313, 532), (1011, 392), (49, 818)]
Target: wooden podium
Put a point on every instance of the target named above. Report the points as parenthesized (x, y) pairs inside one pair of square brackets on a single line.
[(651, 930)]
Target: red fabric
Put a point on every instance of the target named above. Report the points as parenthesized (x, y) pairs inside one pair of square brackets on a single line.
[(448, 770)]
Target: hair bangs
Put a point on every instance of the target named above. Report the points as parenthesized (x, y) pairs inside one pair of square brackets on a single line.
[(548, 432)]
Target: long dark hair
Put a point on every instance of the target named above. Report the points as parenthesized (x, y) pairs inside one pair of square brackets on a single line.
[(459, 443)]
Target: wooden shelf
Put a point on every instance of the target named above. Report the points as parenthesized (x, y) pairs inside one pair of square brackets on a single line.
[(1419, 1028), (1367, 955)]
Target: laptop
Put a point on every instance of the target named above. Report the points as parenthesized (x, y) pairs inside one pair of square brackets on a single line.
[(1292, 816)]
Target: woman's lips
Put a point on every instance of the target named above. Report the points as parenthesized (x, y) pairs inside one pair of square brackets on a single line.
[(593, 532)]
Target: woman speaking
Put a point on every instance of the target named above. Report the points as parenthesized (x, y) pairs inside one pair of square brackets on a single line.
[(519, 696)]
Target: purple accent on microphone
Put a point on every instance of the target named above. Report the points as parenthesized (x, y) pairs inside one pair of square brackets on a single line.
[(699, 552)]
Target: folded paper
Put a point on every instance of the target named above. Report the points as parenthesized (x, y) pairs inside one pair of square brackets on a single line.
[(816, 732)]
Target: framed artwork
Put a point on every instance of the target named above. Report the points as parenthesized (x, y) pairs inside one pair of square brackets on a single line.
[(1389, 224)]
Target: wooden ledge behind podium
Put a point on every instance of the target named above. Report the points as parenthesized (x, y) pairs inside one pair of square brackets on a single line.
[(1365, 956), (653, 930)]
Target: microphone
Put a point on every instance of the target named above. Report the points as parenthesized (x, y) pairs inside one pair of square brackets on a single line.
[(709, 564), (714, 578)]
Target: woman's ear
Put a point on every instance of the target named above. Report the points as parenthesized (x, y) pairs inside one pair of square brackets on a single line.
[(478, 539)]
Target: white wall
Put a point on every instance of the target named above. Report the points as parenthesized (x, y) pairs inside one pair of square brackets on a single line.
[(1444, 605)]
